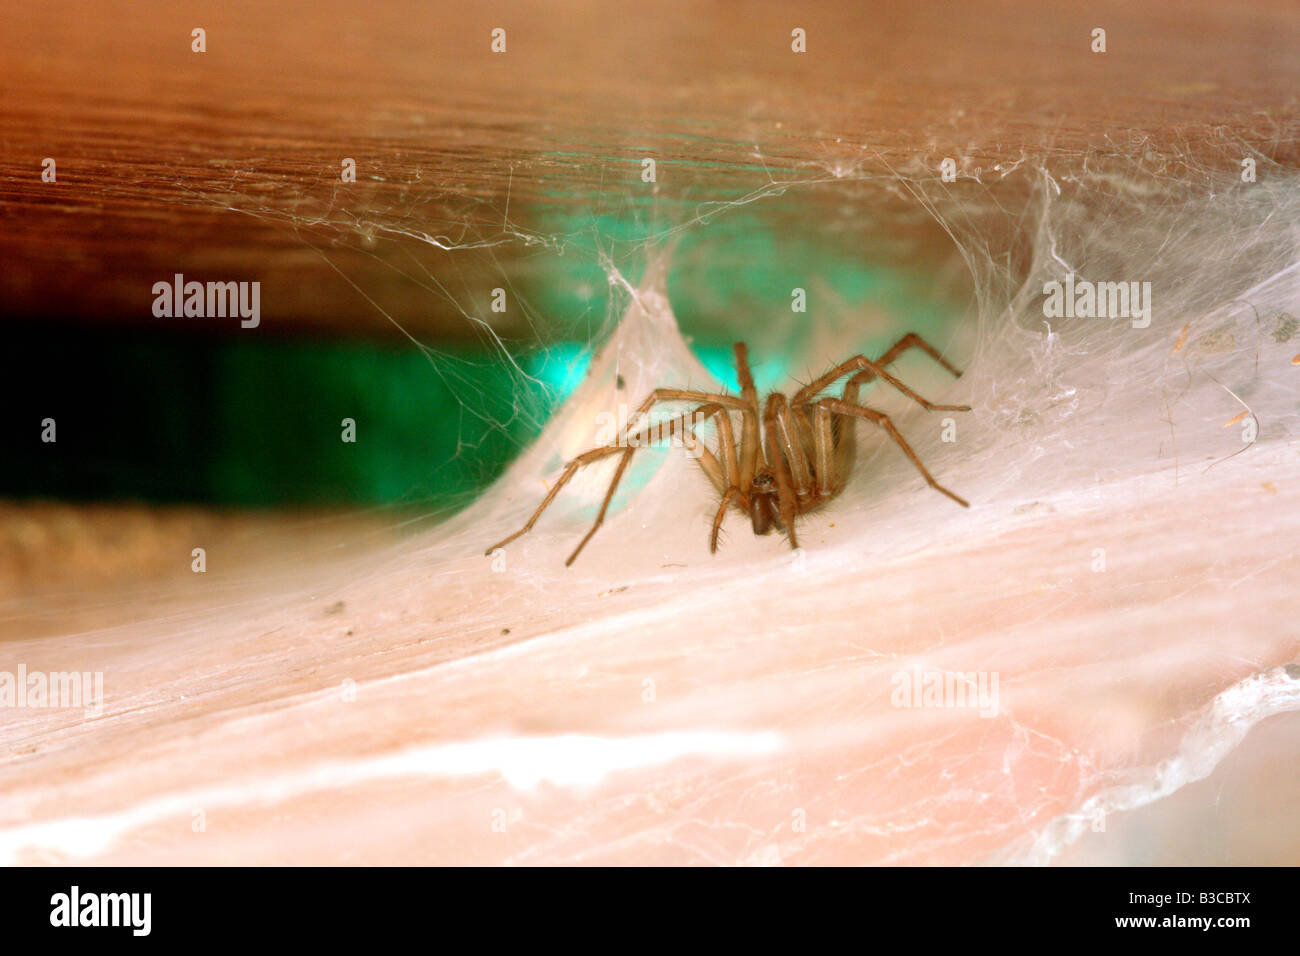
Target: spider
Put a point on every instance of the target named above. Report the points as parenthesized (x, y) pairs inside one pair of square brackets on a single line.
[(802, 461)]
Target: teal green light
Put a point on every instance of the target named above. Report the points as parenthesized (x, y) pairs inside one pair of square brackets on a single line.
[(561, 367), (721, 363)]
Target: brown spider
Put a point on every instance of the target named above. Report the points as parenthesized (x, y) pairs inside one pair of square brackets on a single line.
[(802, 464)]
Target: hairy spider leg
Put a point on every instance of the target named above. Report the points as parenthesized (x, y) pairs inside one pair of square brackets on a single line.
[(688, 422), (863, 364), (801, 484), (627, 446), (779, 464), (751, 448), (726, 433), (728, 496), (730, 468), (723, 474), (730, 488), (604, 505), (792, 446), (824, 452), (908, 341), (739, 466), (845, 436), (661, 395), (838, 407)]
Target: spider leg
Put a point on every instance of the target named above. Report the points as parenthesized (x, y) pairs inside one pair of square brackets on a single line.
[(784, 492), (628, 445), (728, 441), (908, 341), (823, 451), (661, 432), (748, 407), (838, 407), (734, 476), (688, 422), (570, 470), (604, 505), (661, 395), (842, 430), (792, 445), (729, 470), (731, 494), (721, 474), (862, 364), (732, 491), (727, 478), (751, 449)]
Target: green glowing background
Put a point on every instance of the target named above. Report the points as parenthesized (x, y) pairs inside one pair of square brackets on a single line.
[(255, 420)]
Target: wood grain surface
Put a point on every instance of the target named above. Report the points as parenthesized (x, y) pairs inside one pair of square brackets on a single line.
[(226, 164)]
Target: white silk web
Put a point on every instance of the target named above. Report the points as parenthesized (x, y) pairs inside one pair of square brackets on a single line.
[(1124, 577)]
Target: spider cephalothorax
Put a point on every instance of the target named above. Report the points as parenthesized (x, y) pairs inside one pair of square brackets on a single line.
[(802, 460)]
